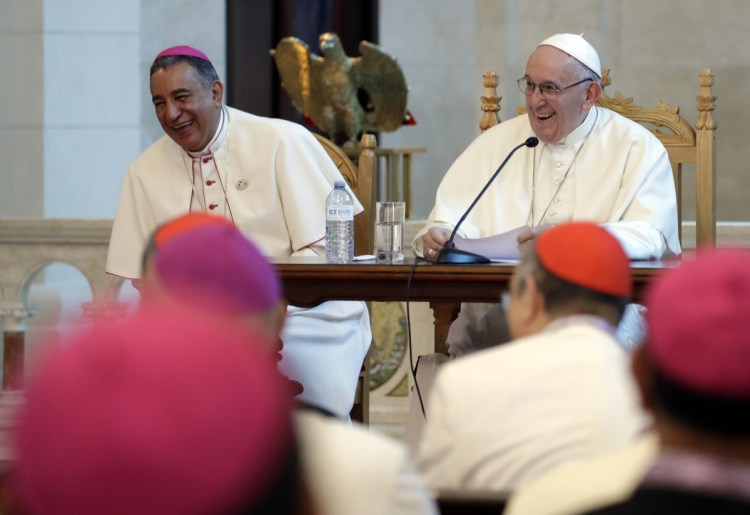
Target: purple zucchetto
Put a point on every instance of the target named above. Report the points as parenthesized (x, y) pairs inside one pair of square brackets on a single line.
[(182, 50), (216, 265)]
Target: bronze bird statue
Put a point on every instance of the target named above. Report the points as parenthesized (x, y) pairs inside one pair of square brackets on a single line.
[(343, 96)]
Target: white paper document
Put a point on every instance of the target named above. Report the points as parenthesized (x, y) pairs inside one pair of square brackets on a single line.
[(500, 247)]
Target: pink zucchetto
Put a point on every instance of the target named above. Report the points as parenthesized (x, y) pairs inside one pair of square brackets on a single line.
[(165, 412), (217, 267), (699, 324), (183, 50), (578, 48)]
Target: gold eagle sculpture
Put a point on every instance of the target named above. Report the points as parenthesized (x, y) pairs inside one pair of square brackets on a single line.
[(343, 96)]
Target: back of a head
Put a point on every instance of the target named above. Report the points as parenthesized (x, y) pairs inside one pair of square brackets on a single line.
[(165, 413), (172, 228), (215, 267), (582, 266), (697, 346)]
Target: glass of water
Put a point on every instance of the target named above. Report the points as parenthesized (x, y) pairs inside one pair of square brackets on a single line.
[(389, 231)]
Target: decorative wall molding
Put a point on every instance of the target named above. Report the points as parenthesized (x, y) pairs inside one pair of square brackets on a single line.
[(28, 245)]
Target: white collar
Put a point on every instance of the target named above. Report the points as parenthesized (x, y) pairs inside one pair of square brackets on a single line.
[(581, 132), (582, 319)]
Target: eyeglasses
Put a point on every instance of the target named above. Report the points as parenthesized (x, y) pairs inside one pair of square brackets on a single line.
[(546, 89)]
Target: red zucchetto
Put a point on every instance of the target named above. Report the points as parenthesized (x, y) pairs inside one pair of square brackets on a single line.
[(586, 255)]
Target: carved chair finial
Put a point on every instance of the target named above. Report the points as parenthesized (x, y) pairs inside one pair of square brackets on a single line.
[(490, 101), (706, 101)]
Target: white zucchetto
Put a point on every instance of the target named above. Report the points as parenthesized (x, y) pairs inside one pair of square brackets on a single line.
[(578, 48)]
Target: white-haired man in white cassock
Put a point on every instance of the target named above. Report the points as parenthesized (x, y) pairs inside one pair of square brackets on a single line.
[(591, 165)]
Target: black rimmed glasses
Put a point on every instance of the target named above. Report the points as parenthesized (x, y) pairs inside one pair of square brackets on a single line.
[(546, 89)]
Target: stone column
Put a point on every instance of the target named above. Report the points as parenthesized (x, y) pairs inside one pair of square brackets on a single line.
[(14, 316)]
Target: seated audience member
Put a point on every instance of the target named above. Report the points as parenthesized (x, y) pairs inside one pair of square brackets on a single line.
[(233, 280), (560, 391), (694, 377), (580, 485), (353, 470), (165, 231), (591, 164), (166, 413), (348, 469)]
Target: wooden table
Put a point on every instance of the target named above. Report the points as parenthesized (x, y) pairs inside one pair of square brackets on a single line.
[(310, 281)]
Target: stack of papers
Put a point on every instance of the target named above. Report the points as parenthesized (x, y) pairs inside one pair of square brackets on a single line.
[(500, 248)]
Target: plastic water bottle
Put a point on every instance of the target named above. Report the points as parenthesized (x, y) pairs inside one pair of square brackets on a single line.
[(339, 225)]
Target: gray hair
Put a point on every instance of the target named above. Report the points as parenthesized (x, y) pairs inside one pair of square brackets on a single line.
[(206, 71), (582, 71), (563, 297)]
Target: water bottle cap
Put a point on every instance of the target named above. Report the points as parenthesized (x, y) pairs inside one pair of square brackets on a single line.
[(339, 184)]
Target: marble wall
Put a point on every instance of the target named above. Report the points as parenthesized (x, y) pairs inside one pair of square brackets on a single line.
[(67, 116), (22, 108), (76, 109)]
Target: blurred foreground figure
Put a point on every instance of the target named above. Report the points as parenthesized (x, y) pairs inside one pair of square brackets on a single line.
[(694, 376), (167, 413), (233, 280), (347, 468), (560, 391)]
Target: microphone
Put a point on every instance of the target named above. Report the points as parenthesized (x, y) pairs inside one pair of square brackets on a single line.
[(450, 254)]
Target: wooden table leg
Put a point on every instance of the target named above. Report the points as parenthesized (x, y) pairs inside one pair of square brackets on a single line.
[(13, 358), (444, 313)]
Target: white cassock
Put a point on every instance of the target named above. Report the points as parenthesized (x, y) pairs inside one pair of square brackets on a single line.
[(271, 178), (609, 170), (352, 470), (582, 486), (501, 418), (618, 175)]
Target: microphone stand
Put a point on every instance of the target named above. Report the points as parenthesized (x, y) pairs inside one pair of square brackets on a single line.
[(449, 254)]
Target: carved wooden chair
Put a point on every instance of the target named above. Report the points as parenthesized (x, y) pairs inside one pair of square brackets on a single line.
[(360, 180), (686, 144)]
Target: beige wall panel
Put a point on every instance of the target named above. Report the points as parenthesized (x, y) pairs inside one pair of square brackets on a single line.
[(655, 49)]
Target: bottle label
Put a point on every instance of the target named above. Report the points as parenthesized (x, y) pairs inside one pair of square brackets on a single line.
[(340, 214)]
